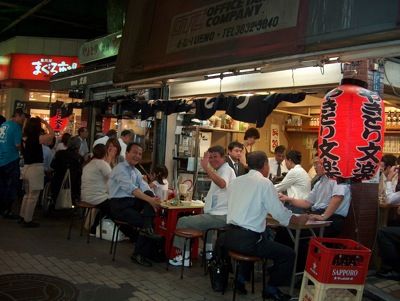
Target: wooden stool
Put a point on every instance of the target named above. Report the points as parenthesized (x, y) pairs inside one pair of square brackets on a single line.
[(187, 234), (114, 239), (204, 258), (237, 257), (86, 211)]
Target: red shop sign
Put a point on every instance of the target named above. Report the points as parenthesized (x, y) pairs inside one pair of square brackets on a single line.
[(350, 141), (39, 67)]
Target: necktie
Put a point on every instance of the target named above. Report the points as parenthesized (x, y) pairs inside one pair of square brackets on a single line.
[(278, 170), (236, 165)]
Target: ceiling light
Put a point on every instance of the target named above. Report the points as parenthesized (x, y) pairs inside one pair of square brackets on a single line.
[(334, 58), (247, 70)]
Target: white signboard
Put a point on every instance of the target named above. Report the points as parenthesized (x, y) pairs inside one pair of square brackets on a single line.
[(229, 19)]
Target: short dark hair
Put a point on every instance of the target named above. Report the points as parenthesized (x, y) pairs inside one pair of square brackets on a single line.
[(74, 143), (252, 133), (256, 160), (19, 111), (160, 172), (280, 149), (99, 151), (112, 133), (294, 156), (389, 160), (130, 145), (65, 138), (234, 144), (81, 130), (126, 132), (217, 149)]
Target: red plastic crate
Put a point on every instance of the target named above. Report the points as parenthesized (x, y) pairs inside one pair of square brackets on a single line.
[(335, 260)]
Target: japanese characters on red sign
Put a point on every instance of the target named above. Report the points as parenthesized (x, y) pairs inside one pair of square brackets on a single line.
[(57, 122), (351, 133), (39, 67)]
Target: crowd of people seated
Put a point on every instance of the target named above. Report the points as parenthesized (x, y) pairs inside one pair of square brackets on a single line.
[(242, 192)]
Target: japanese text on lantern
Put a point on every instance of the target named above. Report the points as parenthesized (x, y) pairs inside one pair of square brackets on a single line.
[(371, 113), (327, 132)]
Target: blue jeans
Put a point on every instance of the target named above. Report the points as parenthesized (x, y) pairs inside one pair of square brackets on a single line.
[(9, 182)]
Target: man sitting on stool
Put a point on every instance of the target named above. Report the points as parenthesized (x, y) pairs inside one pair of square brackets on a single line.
[(132, 200), (328, 201), (216, 206), (251, 198)]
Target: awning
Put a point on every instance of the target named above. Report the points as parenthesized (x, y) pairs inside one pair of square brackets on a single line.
[(165, 40)]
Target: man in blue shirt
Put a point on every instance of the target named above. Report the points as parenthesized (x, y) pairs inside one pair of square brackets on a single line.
[(132, 200), (10, 142)]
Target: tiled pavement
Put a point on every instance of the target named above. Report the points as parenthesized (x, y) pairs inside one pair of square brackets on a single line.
[(45, 250)]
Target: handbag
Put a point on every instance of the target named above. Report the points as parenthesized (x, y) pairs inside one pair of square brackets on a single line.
[(64, 199), (219, 274)]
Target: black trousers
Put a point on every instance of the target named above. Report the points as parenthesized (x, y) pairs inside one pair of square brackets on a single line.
[(257, 244), (137, 213), (9, 185), (389, 247)]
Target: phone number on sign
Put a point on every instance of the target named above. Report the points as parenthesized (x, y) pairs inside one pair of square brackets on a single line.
[(251, 27)]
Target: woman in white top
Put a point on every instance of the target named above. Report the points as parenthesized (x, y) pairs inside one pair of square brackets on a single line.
[(160, 182), (94, 183)]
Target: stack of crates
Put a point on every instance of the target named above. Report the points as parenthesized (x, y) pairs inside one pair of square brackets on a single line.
[(335, 270)]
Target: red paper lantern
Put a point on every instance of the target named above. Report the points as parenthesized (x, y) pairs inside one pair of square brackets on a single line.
[(351, 132)]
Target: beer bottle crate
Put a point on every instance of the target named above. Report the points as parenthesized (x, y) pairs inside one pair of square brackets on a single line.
[(336, 260), (313, 290)]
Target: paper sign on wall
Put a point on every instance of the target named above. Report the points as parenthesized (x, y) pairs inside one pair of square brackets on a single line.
[(274, 137)]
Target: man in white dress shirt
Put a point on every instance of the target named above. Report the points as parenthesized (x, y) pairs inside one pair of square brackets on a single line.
[(84, 149), (124, 140), (216, 205), (327, 201), (277, 165), (251, 198), (103, 140), (296, 183), (235, 150)]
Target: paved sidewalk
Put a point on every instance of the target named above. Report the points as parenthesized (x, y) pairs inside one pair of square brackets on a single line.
[(45, 250)]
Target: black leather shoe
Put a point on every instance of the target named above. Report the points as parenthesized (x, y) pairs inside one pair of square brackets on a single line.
[(30, 224), (279, 296), (10, 215), (241, 288), (390, 275), (139, 259)]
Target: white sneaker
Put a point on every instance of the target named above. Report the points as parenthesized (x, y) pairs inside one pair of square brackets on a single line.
[(177, 261), (209, 255)]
